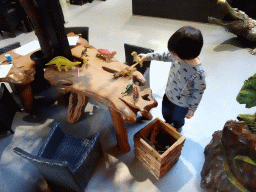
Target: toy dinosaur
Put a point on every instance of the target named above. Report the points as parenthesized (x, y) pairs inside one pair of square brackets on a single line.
[(247, 95), (84, 52), (105, 54), (128, 70), (236, 22), (84, 56), (128, 88), (85, 60), (135, 59), (124, 72), (62, 61)]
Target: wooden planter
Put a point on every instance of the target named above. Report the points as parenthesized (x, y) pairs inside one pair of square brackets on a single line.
[(158, 164)]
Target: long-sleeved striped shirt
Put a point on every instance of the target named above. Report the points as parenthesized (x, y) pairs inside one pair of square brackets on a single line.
[(186, 83)]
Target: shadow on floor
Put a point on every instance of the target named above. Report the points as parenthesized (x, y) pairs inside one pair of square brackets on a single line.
[(234, 44)]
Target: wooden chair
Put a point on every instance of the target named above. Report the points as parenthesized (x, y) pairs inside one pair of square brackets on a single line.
[(9, 47), (79, 30)]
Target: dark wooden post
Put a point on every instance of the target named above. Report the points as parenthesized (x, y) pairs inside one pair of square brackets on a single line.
[(48, 21)]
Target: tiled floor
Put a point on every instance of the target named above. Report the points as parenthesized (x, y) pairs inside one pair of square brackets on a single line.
[(111, 23)]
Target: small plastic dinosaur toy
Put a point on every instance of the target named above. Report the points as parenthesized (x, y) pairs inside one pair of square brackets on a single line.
[(105, 54), (85, 60), (135, 59), (62, 61), (84, 52), (128, 88), (84, 56), (125, 72)]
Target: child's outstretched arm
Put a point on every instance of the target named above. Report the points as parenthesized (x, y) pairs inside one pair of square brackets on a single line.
[(162, 56), (142, 57)]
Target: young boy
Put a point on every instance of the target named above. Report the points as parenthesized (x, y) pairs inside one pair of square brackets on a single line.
[(186, 81)]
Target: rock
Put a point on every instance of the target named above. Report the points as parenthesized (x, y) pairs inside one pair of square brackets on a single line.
[(235, 140)]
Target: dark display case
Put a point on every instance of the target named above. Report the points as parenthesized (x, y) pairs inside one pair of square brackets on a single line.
[(190, 10)]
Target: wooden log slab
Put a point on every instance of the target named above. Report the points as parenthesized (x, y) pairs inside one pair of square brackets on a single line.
[(101, 85)]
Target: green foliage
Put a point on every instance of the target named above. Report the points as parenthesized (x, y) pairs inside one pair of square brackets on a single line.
[(247, 94)]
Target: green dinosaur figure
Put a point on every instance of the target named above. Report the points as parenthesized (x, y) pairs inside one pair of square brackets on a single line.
[(60, 60), (128, 88), (247, 94)]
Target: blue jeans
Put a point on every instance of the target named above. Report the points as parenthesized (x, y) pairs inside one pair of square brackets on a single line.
[(173, 113)]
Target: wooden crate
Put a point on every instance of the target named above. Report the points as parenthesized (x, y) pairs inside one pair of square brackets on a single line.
[(158, 164)]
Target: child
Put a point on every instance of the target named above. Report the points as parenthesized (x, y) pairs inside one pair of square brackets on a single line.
[(186, 81)]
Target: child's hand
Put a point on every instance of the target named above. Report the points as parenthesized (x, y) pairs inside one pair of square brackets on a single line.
[(142, 57), (190, 114)]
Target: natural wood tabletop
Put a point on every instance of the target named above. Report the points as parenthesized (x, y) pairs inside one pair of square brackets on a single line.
[(23, 72), (88, 81), (23, 69), (91, 81), (20, 76), (101, 85)]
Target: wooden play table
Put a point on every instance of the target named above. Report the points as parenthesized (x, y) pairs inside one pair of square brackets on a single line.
[(100, 85), (20, 76), (93, 82)]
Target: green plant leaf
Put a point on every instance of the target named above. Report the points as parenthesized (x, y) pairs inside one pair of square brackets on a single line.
[(245, 159), (247, 94)]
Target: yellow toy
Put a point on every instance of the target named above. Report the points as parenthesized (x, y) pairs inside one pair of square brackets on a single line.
[(62, 61)]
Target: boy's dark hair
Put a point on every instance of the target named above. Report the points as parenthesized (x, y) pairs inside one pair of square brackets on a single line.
[(186, 42)]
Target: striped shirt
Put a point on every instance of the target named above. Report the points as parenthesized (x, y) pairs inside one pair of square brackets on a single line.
[(186, 83)]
